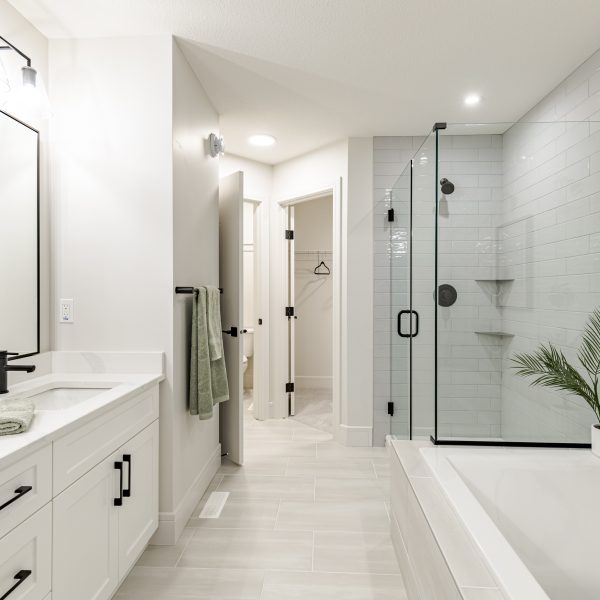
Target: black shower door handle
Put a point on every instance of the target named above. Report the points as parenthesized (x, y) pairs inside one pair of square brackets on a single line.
[(410, 334)]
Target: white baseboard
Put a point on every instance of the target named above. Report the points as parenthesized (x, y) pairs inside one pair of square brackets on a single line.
[(310, 382), (171, 524), (354, 435)]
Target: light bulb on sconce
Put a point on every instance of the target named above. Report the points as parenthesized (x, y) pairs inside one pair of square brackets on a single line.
[(27, 98), (216, 145)]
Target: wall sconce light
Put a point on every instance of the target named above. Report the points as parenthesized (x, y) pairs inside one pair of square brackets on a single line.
[(31, 97), (216, 145)]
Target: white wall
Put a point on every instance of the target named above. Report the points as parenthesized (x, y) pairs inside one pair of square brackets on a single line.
[(27, 38), (313, 227), (112, 210), (258, 177), (135, 212), (196, 449), (357, 344)]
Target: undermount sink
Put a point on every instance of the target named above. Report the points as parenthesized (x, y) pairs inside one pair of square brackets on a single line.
[(62, 398)]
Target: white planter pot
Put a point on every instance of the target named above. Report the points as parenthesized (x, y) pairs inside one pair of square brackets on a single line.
[(596, 440)]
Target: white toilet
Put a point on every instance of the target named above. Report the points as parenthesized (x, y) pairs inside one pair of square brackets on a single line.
[(248, 346)]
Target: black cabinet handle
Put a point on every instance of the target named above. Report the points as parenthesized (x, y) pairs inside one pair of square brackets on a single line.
[(20, 491), (233, 332), (127, 459), (21, 576), (117, 501)]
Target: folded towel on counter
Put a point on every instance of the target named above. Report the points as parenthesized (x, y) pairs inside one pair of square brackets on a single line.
[(15, 416), (208, 378)]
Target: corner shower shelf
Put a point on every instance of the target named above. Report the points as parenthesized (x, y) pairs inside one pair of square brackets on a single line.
[(495, 280), (496, 333)]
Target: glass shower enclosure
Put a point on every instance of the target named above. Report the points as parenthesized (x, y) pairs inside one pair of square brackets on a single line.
[(493, 248)]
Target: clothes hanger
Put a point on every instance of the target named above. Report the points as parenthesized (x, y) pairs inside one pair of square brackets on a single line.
[(322, 264)]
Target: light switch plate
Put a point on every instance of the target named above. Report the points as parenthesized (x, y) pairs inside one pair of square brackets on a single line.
[(65, 310)]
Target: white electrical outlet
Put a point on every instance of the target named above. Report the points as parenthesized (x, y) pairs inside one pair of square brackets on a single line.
[(65, 314)]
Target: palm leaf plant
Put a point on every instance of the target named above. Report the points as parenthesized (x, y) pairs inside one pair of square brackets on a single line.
[(551, 369)]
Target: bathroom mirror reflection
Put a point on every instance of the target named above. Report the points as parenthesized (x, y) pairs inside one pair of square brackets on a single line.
[(19, 239)]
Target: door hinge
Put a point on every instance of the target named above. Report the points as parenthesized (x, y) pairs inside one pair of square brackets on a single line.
[(391, 409), (289, 311), (289, 388), (390, 214), (289, 234)]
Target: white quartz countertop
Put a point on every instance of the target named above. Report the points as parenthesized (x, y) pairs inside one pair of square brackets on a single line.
[(49, 425)]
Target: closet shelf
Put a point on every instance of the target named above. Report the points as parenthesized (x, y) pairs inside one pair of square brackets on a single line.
[(496, 333)]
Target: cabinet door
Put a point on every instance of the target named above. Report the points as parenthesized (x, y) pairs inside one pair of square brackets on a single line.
[(85, 561), (138, 517), (25, 558)]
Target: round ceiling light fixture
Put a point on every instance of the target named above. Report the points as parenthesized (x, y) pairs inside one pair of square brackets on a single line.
[(261, 139), (472, 99)]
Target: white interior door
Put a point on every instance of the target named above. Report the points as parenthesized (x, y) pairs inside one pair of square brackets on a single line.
[(231, 240), (292, 319)]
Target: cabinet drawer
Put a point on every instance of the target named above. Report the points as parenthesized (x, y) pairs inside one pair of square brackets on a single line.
[(81, 450), (26, 550), (25, 487)]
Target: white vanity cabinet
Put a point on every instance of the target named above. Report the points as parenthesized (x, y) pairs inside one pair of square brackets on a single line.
[(104, 520), (90, 508)]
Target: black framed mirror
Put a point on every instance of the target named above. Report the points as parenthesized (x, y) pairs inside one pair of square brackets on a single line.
[(19, 236)]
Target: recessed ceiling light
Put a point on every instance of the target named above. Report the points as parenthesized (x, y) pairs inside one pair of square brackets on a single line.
[(472, 99), (261, 139)]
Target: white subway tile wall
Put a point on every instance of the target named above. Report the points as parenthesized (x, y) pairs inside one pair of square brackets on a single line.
[(549, 244), (469, 363)]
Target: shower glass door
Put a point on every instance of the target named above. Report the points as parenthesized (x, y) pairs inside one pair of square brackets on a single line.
[(398, 322), (422, 289)]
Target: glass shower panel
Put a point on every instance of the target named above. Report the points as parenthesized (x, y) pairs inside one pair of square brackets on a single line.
[(422, 287), (399, 201), (518, 254)]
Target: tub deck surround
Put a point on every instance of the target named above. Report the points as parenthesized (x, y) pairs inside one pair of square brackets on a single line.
[(78, 370), (485, 518)]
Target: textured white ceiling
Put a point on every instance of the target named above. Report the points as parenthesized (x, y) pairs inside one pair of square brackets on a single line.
[(311, 72)]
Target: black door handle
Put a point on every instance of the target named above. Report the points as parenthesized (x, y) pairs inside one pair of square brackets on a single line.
[(410, 334), (127, 459), (19, 492), (233, 332), (21, 576), (117, 501)]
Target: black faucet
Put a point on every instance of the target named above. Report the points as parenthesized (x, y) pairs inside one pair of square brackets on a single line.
[(5, 367)]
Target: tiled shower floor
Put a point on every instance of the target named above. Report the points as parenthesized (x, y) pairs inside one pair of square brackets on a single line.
[(305, 518)]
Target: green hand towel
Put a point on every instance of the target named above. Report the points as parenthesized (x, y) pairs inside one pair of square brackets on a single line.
[(15, 416), (208, 378), (201, 402), (218, 372), (215, 338)]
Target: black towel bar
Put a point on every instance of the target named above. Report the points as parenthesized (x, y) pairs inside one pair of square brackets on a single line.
[(188, 290)]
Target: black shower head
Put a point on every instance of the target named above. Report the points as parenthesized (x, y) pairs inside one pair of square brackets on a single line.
[(447, 186)]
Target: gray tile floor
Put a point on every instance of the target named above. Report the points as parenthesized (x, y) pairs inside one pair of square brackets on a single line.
[(305, 518)]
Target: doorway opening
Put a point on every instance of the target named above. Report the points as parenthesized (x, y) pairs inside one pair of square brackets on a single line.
[(310, 322)]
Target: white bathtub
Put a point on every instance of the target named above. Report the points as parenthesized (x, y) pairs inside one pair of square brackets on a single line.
[(534, 515)]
